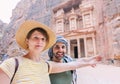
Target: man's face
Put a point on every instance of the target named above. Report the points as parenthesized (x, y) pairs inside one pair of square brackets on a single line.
[(59, 50)]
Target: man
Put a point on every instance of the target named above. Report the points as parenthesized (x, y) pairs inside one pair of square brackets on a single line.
[(57, 53)]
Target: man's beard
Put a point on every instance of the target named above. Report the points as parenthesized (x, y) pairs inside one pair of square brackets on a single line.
[(58, 56)]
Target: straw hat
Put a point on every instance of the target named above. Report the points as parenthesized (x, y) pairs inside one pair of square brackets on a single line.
[(26, 27)]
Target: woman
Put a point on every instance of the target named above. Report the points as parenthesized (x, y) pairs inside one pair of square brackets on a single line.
[(35, 38)]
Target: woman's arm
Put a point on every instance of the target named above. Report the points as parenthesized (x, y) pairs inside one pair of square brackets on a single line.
[(89, 59), (61, 67), (4, 79)]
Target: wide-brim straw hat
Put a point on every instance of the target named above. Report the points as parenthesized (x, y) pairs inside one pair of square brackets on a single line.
[(26, 27)]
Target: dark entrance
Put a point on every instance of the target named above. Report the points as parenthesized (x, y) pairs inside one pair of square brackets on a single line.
[(76, 52)]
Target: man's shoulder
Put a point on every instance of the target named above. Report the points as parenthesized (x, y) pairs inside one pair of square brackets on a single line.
[(68, 58)]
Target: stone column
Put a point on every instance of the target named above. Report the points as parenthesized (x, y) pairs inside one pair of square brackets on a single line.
[(94, 45), (78, 44), (85, 43), (69, 47)]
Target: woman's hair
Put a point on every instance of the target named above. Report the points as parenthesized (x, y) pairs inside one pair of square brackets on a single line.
[(39, 30)]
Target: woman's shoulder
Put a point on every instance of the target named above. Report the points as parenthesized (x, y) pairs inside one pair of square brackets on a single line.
[(8, 66), (9, 60)]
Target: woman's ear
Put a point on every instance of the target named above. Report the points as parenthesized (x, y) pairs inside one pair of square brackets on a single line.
[(26, 41)]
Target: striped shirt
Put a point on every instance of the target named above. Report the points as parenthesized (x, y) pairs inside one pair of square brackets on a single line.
[(29, 72)]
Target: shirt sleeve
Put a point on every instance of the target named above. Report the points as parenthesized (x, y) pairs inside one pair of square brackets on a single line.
[(8, 66)]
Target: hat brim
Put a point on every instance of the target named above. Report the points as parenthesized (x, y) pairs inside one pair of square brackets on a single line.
[(26, 27)]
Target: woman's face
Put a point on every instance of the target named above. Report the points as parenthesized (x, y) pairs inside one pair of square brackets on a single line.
[(36, 42)]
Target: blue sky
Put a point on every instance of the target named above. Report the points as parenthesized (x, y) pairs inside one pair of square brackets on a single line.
[(6, 7)]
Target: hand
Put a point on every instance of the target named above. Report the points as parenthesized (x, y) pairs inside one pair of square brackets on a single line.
[(95, 60)]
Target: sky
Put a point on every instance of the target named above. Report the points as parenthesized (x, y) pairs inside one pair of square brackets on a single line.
[(6, 7)]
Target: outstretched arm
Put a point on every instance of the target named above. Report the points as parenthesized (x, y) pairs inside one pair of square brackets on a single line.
[(96, 58), (61, 67)]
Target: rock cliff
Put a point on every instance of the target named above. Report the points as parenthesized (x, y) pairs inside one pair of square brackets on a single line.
[(39, 10)]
